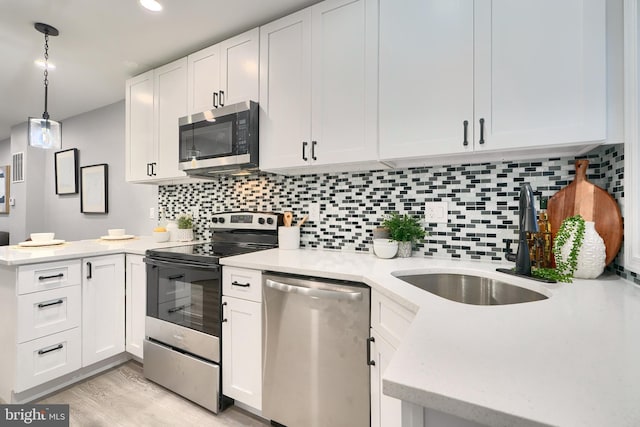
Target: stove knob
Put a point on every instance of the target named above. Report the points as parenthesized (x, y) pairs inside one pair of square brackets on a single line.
[(269, 221), (221, 220), (214, 220), (261, 220)]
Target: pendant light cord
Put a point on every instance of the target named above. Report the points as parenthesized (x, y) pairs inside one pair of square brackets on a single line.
[(45, 115)]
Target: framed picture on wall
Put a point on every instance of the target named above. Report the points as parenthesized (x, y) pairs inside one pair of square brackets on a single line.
[(94, 189), (66, 165), (4, 189)]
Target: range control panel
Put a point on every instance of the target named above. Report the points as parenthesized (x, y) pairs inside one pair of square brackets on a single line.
[(246, 220)]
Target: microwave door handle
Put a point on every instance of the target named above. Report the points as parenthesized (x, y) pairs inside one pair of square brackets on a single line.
[(221, 94), (215, 99)]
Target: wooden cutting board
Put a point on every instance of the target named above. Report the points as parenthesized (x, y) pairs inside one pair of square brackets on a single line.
[(593, 204)]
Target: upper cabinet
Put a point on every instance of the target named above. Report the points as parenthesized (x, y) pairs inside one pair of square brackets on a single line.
[(318, 89), (225, 73), (154, 102), (496, 76)]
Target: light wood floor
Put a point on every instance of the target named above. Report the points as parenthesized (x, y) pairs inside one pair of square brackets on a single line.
[(122, 397)]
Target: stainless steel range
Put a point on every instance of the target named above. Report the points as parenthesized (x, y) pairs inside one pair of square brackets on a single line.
[(184, 290)]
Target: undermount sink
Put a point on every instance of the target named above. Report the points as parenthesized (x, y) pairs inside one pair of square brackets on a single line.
[(472, 289)]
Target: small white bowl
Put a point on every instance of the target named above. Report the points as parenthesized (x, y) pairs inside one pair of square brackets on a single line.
[(116, 232), (161, 236), (385, 248), (42, 237)]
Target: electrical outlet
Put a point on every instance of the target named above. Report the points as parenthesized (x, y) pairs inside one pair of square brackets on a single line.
[(436, 212), (152, 213), (314, 212), (195, 211)]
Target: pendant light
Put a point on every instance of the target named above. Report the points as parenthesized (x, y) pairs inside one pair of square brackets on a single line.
[(45, 133)]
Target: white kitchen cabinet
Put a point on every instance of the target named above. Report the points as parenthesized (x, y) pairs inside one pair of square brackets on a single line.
[(136, 304), (103, 302), (389, 323), (154, 102), (242, 335), (225, 73), (318, 97), (488, 64)]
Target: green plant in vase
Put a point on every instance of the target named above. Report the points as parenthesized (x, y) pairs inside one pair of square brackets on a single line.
[(404, 229), (571, 227), (185, 227)]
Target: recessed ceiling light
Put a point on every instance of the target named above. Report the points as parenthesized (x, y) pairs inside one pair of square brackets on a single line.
[(152, 5), (40, 63)]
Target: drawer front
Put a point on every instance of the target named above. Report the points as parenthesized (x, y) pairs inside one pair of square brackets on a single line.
[(242, 283), (389, 318), (47, 358), (51, 275), (48, 312)]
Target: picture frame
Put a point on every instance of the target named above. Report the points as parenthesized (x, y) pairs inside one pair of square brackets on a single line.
[(94, 187), (5, 179), (66, 171)]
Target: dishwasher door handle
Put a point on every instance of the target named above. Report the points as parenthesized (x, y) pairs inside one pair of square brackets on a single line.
[(314, 292)]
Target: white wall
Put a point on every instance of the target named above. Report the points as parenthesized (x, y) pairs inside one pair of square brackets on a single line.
[(99, 136), (5, 159)]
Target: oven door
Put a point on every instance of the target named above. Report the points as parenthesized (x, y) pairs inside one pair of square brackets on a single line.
[(185, 294)]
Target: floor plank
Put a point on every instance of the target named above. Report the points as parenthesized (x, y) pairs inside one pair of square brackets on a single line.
[(122, 397)]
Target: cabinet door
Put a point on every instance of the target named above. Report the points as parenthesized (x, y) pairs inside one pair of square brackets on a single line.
[(285, 91), (385, 411), (540, 73), (102, 308), (170, 103), (136, 304), (426, 77), (242, 351), (239, 67), (344, 85), (140, 151), (203, 79)]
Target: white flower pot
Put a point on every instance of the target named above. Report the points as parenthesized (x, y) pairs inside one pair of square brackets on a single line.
[(184, 234), (592, 255)]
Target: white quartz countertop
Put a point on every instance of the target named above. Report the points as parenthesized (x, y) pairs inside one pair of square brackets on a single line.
[(18, 255), (570, 360)]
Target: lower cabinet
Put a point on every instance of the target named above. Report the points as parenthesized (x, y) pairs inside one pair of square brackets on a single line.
[(102, 308), (136, 304), (389, 323), (242, 335)]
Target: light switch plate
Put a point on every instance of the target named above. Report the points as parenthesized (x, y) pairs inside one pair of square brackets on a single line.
[(152, 213), (436, 212), (314, 212)]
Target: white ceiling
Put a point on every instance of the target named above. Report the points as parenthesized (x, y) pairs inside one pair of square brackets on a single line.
[(102, 43)]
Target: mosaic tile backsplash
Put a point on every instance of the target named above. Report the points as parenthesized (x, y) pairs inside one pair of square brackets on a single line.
[(482, 201)]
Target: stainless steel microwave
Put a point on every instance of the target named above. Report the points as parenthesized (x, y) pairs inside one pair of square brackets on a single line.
[(220, 141)]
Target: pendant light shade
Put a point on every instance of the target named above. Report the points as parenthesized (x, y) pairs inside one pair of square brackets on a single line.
[(44, 132)]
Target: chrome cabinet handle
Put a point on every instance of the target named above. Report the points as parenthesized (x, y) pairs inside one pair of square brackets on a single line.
[(304, 150), (221, 95), (370, 362), (55, 276), (465, 142), (215, 99), (481, 131), (312, 292), (49, 304)]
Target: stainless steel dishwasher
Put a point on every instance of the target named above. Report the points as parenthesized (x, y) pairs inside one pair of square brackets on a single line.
[(315, 352)]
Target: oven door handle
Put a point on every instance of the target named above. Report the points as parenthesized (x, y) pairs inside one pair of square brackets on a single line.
[(181, 264)]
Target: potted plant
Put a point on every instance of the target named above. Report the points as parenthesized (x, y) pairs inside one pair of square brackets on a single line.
[(404, 229), (185, 228)]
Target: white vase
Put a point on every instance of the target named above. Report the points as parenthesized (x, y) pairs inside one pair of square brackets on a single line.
[(184, 234), (592, 255), (404, 249)]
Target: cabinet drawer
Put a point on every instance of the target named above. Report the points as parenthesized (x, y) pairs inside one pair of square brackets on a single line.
[(47, 358), (389, 318), (41, 277), (242, 283), (48, 312)]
